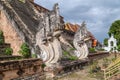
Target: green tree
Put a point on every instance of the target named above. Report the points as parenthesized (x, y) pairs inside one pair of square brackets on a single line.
[(115, 30), (106, 41), (25, 51), (118, 47)]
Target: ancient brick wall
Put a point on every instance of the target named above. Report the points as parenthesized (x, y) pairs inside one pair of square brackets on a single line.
[(25, 69), (10, 34)]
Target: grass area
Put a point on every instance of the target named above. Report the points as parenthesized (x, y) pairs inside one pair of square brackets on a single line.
[(70, 57), (92, 71), (79, 75)]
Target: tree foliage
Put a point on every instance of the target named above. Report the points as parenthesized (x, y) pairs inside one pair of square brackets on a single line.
[(106, 41), (118, 47), (115, 30)]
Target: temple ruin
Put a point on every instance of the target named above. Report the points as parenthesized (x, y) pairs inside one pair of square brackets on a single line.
[(43, 30)]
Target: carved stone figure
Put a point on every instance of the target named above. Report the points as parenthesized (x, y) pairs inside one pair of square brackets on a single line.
[(47, 37), (52, 41), (79, 42)]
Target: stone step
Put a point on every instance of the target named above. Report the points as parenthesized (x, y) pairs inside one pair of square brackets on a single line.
[(4, 45), (6, 57)]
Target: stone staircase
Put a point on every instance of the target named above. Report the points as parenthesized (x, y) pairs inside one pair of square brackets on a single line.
[(3, 47), (17, 68), (112, 70)]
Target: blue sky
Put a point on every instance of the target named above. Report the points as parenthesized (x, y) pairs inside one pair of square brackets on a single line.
[(98, 14)]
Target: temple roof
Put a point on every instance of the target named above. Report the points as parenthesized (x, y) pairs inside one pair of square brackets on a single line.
[(74, 27), (71, 27)]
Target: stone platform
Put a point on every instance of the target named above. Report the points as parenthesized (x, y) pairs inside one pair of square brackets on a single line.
[(25, 69), (10, 57), (64, 67)]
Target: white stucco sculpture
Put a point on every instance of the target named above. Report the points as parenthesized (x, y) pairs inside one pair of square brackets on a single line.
[(112, 44)]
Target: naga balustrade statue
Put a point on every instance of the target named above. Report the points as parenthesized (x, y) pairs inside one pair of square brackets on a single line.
[(50, 39)]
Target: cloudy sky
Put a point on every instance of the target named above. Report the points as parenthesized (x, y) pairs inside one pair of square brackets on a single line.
[(98, 14)]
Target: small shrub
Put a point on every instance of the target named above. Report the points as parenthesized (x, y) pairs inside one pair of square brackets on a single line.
[(101, 49), (23, 1), (94, 67), (8, 51), (43, 65), (113, 59), (34, 56), (65, 53), (73, 58), (1, 37), (105, 62), (69, 56), (92, 50), (25, 51)]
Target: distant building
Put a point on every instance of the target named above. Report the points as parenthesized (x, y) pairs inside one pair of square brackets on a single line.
[(91, 41)]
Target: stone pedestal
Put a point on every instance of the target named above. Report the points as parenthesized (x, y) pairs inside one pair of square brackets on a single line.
[(64, 67), (52, 70)]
